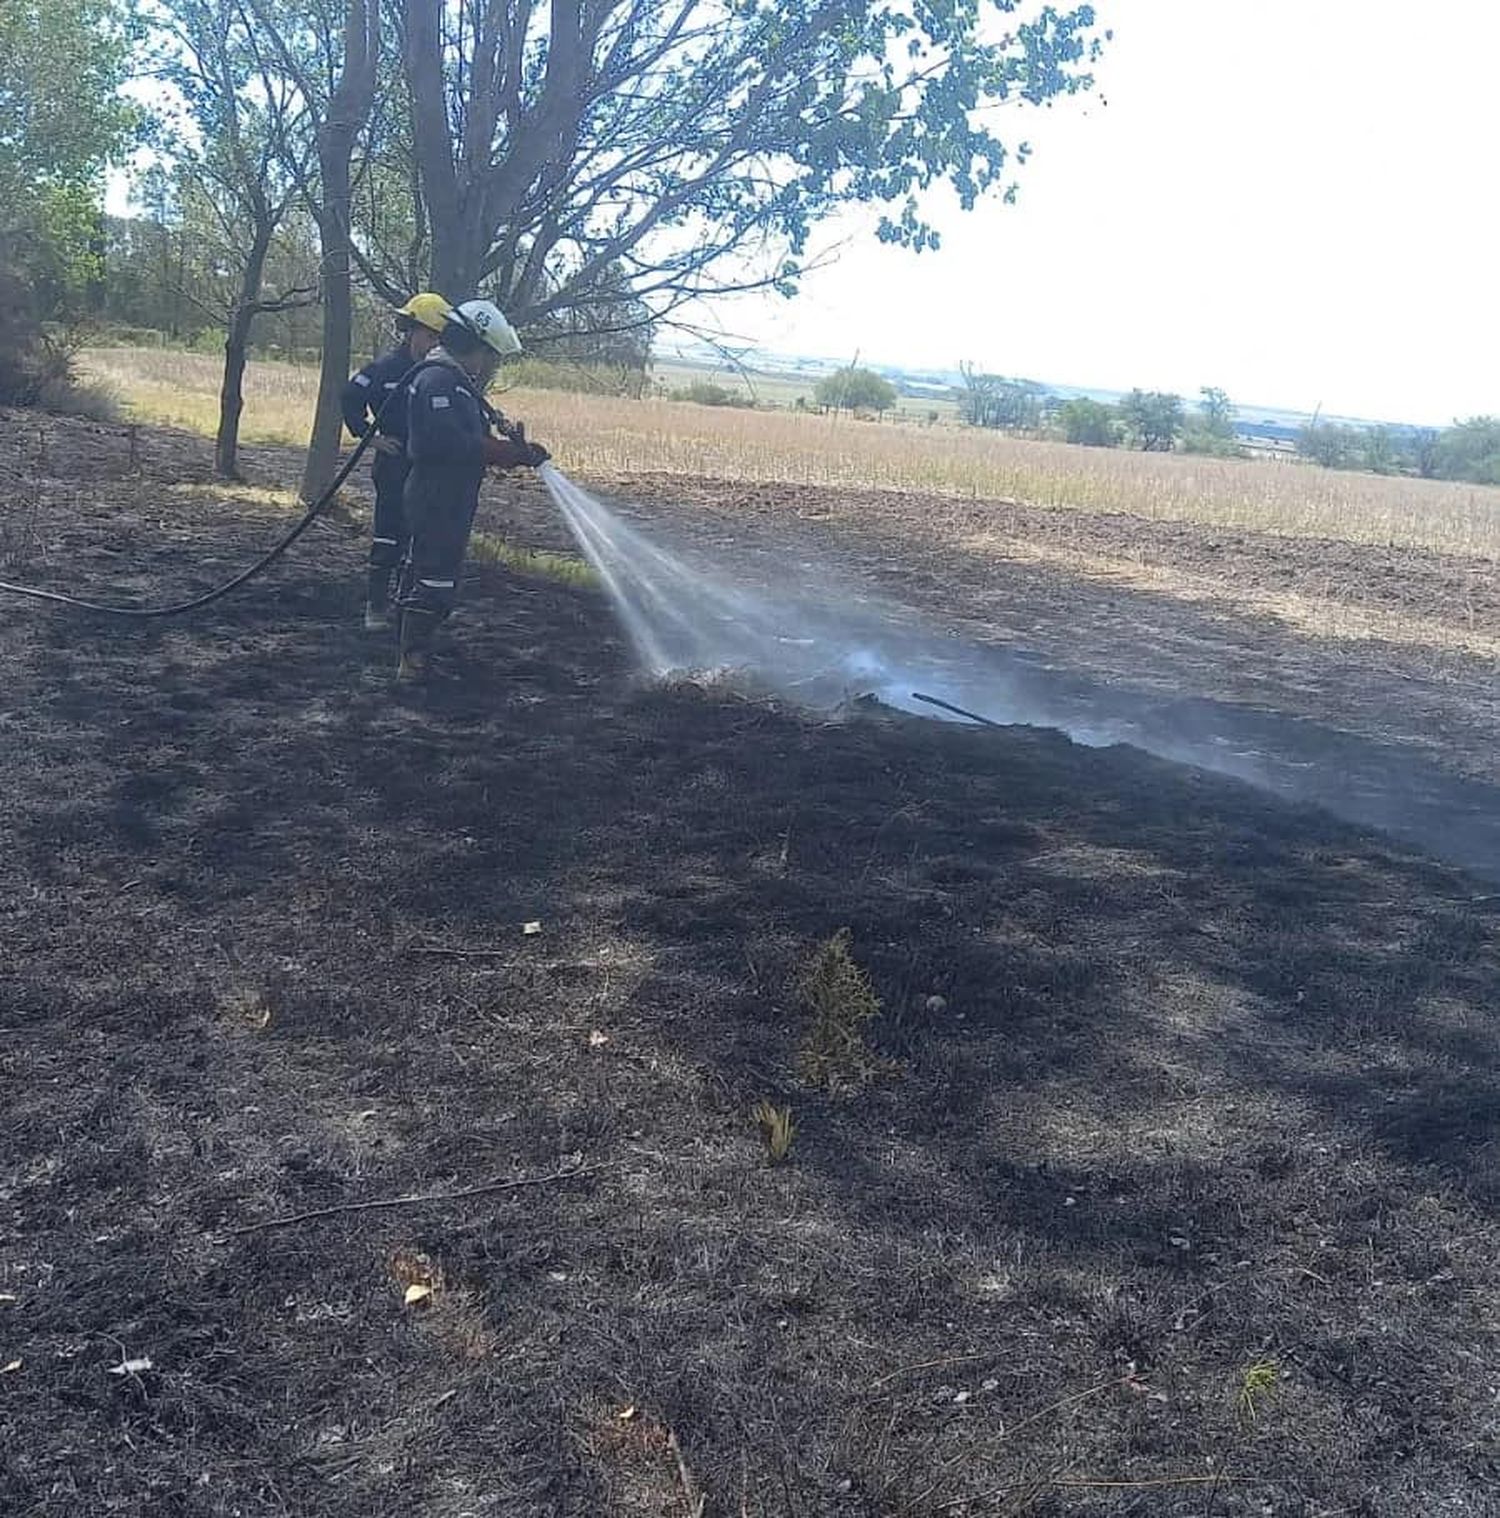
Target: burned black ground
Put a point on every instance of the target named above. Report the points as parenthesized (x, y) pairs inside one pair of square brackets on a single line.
[(1179, 1199)]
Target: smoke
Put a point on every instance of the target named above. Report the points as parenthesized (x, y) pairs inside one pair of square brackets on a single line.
[(791, 627)]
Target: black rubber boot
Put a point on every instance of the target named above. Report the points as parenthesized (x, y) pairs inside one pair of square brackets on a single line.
[(417, 628)]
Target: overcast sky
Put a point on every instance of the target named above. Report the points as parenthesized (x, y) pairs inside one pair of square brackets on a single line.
[(1294, 199)]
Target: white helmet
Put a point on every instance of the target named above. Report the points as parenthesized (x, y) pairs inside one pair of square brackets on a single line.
[(487, 322)]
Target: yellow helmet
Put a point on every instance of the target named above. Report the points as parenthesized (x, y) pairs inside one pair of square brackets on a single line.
[(428, 309)]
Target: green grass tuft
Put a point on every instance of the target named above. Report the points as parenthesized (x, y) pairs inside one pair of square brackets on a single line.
[(563, 568), (1257, 1382)]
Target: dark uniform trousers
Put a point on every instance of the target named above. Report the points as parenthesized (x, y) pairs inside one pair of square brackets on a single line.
[(447, 424), (376, 397)]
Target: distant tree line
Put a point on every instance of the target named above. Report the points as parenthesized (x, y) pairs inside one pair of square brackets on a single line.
[(1153, 421), (1468, 450), (1156, 421)]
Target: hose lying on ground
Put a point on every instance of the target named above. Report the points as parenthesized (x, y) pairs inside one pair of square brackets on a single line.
[(208, 597)]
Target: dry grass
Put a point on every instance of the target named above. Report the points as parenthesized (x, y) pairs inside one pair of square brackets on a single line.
[(182, 390), (226, 490), (777, 1128), (840, 998), (594, 434)]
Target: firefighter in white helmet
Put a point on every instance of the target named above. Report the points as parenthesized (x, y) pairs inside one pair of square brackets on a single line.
[(453, 436)]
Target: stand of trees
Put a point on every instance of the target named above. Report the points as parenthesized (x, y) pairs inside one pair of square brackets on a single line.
[(991, 400), (595, 166), (62, 120), (1468, 450)]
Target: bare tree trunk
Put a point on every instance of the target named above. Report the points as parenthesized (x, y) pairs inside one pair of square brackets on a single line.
[(232, 395), (338, 316), (465, 196), (236, 344), (348, 112), (455, 258)]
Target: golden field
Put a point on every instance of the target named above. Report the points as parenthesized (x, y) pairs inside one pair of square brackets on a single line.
[(602, 435)]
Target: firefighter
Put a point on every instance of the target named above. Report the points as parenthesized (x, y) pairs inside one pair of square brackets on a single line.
[(453, 436), (372, 398)]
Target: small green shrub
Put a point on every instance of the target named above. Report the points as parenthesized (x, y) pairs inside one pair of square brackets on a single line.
[(1257, 1382), (837, 992), (1210, 444)]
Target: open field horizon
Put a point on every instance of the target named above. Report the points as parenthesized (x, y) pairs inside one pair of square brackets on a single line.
[(602, 435)]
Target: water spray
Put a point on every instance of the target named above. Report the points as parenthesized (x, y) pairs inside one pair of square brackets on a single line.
[(816, 642), (686, 617)]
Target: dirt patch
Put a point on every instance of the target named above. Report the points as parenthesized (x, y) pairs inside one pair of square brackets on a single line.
[(1178, 1197)]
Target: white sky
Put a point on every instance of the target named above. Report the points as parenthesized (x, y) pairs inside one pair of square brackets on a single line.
[(1294, 199)]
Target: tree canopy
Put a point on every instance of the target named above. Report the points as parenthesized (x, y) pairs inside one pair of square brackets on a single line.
[(1470, 450), (1089, 422), (689, 147), (62, 119), (1153, 419), (855, 390)]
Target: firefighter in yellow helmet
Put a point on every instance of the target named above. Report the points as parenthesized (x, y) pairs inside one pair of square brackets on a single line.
[(376, 399)]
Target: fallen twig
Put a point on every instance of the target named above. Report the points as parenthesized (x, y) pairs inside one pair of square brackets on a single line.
[(419, 1199), (511, 962), (911, 1370), (443, 951), (1095, 1483)]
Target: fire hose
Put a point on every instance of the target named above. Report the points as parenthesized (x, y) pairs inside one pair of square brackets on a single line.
[(263, 563), (208, 597)]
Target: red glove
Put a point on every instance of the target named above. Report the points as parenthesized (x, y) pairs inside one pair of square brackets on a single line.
[(504, 453), (513, 452)]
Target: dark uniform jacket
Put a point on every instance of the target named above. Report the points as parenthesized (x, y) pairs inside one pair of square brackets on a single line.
[(448, 424), (367, 392)]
